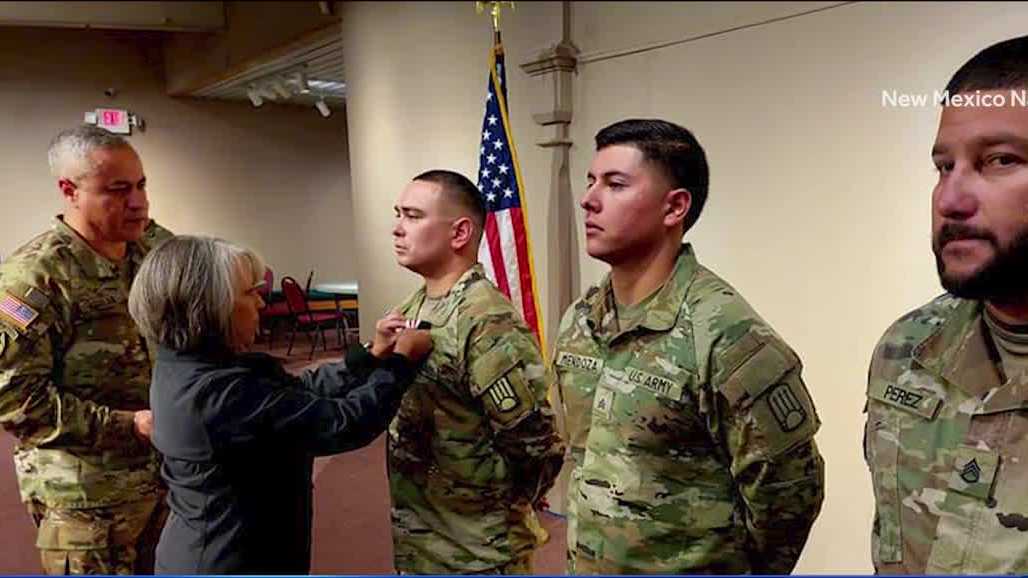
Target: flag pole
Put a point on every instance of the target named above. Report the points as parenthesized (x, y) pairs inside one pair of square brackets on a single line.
[(494, 12)]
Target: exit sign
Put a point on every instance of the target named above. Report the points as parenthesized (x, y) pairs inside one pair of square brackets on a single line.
[(114, 120)]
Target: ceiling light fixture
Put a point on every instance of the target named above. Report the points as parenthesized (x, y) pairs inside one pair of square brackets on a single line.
[(280, 88), (323, 107), (255, 97), (301, 82)]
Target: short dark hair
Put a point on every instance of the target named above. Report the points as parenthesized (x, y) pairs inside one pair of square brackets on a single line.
[(673, 149), (458, 189), (1002, 66)]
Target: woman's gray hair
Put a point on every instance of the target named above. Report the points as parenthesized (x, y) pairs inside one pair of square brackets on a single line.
[(71, 148), (185, 291)]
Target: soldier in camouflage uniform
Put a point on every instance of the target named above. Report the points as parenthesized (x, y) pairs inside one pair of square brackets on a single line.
[(691, 430), (474, 446), (946, 437), (74, 372)]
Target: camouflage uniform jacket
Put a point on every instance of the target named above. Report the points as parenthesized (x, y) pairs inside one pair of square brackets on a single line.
[(691, 434), (946, 441), (475, 443), (73, 369)]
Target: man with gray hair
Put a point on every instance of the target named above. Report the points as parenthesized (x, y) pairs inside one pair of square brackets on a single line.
[(74, 371)]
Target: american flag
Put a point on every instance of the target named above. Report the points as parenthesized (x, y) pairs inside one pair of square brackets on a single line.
[(506, 250), (16, 312)]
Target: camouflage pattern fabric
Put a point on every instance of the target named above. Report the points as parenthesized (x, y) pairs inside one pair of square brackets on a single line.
[(474, 444), (73, 370), (519, 567), (946, 441), (691, 434), (111, 540)]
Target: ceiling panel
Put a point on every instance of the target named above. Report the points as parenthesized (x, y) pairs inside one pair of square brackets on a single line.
[(320, 61)]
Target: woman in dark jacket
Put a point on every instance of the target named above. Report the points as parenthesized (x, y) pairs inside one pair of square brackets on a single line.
[(238, 434)]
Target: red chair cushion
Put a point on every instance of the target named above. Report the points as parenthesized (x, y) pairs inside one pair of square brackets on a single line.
[(279, 309), (319, 317)]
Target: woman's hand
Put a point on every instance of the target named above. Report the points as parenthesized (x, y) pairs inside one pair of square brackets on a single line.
[(143, 422), (387, 330), (414, 344)]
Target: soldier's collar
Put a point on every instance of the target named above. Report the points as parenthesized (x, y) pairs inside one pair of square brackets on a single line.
[(959, 352), (95, 264), (473, 275), (662, 313), (470, 277)]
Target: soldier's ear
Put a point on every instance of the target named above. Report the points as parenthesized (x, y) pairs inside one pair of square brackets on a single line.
[(676, 206), (69, 190), (461, 232)]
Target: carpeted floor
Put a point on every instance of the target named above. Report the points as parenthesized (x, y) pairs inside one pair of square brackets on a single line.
[(351, 501)]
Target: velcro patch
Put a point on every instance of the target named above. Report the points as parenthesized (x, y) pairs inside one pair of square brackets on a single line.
[(508, 399), (16, 312), (603, 402), (503, 395), (660, 386), (582, 362), (786, 408), (973, 472), (761, 370), (921, 402)]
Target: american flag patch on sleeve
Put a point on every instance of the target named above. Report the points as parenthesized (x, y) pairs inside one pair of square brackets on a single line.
[(16, 311)]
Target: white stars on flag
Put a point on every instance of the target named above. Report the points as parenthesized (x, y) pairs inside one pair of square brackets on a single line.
[(504, 252)]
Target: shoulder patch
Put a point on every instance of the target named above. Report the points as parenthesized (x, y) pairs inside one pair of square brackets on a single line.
[(498, 379), (508, 399), (786, 408), (17, 312), (752, 367), (502, 394), (759, 386)]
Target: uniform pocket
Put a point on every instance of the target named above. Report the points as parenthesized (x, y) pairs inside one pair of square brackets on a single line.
[(57, 532), (886, 536), (70, 542), (894, 411), (971, 478)]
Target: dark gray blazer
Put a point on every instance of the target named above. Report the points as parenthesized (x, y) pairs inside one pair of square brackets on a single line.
[(238, 435)]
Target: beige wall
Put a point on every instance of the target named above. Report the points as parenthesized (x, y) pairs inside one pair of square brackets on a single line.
[(819, 211), (274, 178)]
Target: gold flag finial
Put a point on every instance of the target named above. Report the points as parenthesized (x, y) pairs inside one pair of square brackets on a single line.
[(494, 11)]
